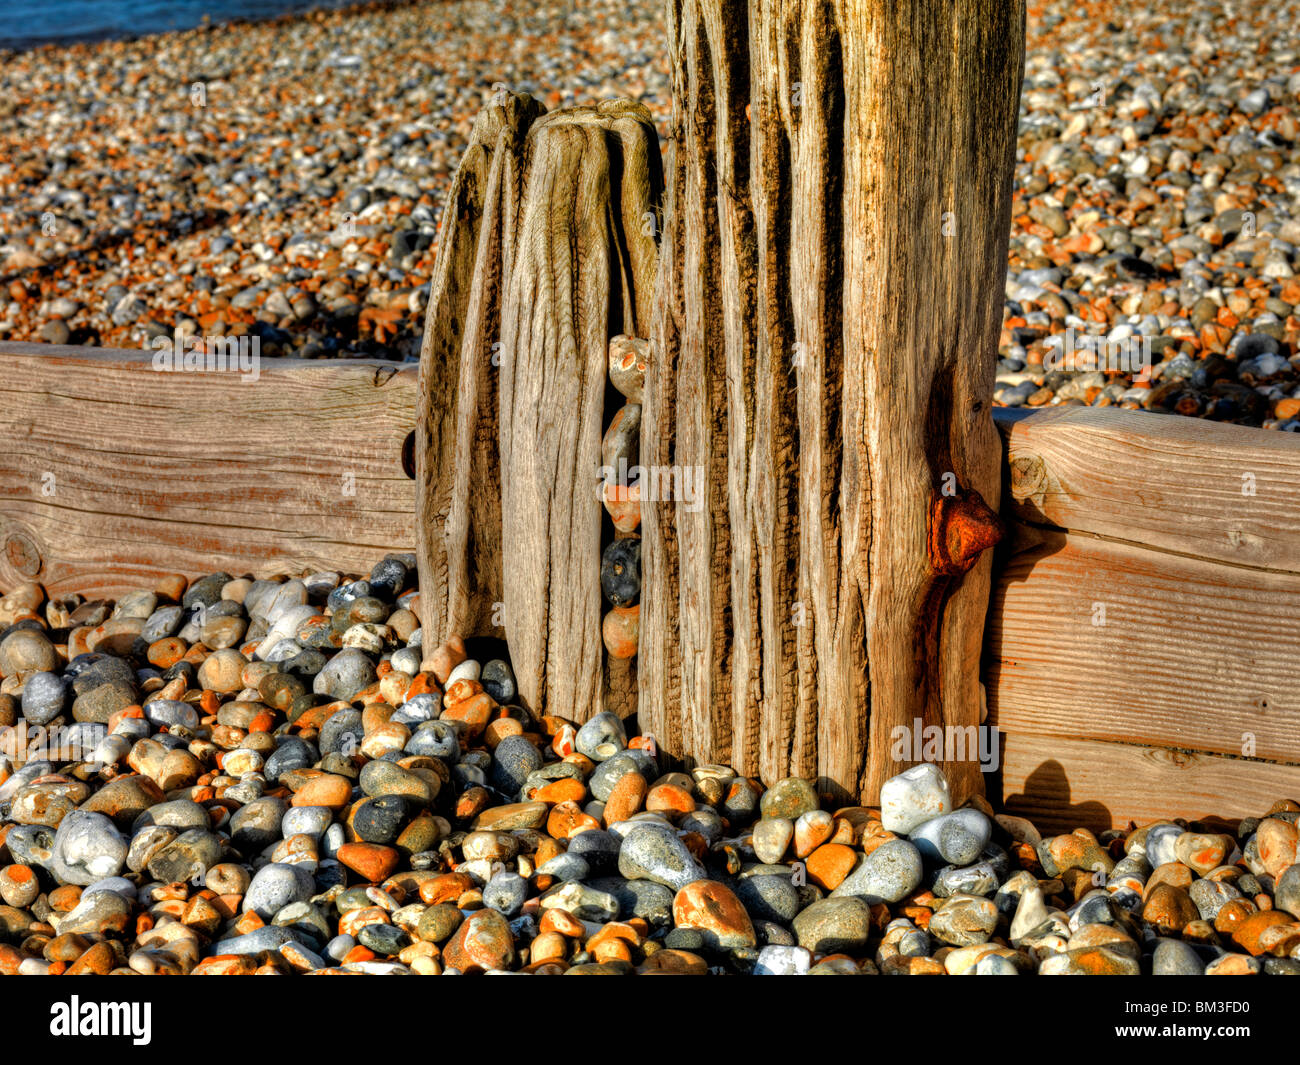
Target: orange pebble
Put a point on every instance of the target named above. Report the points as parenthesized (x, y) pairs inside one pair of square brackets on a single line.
[(566, 789), (669, 798), (567, 819), (562, 921)]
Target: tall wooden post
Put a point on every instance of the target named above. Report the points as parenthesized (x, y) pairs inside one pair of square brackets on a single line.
[(828, 303)]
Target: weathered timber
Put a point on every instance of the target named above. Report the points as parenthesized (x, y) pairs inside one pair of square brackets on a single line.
[(113, 473), (583, 272), (458, 477), (1100, 638), (548, 250), (1229, 493), (1064, 783), (1149, 596), (828, 303)]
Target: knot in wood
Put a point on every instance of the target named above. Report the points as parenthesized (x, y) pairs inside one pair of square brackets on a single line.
[(962, 527)]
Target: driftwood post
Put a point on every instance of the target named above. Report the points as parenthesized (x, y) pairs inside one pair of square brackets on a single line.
[(547, 250), (825, 311), (828, 305)]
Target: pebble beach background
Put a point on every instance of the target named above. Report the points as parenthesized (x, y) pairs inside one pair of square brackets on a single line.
[(284, 179)]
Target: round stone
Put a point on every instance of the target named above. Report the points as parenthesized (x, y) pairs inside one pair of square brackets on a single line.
[(275, 886), (769, 897), (1173, 957), (913, 797), (506, 893), (379, 777), (890, 872), (87, 847), (380, 819), (386, 940), (608, 773), (189, 855), (1286, 895), (514, 758), (438, 923), (789, 799), (963, 920), (652, 852), (483, 941), (257, 824), (772, 835), (620, 572), (598, 849), (44, 697), (222, 671), (713, 909), (602, 737), (499, 681), (956, 838), (27, 651), (834, 925), (344, 675)]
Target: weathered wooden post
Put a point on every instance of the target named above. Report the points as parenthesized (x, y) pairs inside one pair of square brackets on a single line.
[(829, 300), (547, 250), (826, 308)]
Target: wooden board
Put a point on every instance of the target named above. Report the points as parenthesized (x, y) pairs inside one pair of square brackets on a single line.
[(1061, 784), (112, 472), (1223, 492), (1187, 534), (1192, 654)]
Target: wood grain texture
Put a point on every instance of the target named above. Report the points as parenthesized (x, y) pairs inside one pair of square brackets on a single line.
[(1062, 784), (582, 272), (1223, 492), (1192, 654), (193, 472), (458, 477), (822, 355)]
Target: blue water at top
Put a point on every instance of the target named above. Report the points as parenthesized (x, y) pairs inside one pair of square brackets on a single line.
[(29, 23)]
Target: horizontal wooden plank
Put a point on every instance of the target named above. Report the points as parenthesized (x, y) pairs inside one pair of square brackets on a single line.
[(1105, 639), (1062, 784), (1223, 492), (113, 472)]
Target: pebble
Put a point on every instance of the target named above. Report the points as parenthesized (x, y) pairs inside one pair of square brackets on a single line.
[(834, 926), (274, 887), (772, 836), (913, 797), (655, 853), (889, 873), (957, 838), (45, 696)]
